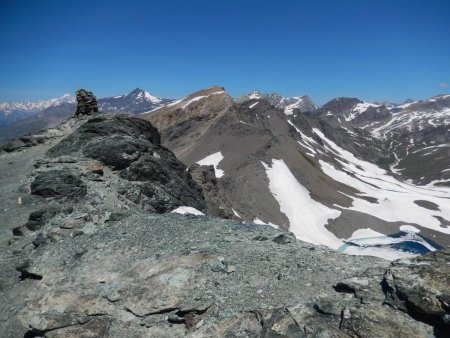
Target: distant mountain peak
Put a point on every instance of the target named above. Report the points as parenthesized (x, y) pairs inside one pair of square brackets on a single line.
[(255, 95), (29, 106), (143, 95), (288, 104)]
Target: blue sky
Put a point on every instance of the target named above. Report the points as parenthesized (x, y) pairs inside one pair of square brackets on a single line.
[(374, 50)]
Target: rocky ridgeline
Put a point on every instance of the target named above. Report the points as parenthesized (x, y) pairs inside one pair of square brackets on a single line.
[(86, 103), (98, 255)]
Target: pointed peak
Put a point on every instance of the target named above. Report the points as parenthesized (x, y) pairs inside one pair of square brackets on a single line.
[(140, 94), (136, 91)]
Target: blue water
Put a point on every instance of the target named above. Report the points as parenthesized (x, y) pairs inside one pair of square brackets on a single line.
[(408, 245)]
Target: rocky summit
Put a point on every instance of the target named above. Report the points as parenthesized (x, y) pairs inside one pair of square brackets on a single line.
[(104, 234)]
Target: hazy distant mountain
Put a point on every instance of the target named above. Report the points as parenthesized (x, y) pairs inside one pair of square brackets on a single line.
[(13, 111), (15, 122), (137, 101), (36, 106), (288, 104)]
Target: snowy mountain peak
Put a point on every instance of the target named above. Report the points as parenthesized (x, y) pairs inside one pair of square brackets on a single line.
[(303, 103), (140, 94), (288, 104), (255, 95), (36, 106)]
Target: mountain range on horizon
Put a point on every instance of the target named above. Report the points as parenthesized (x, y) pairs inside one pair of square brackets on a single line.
[(19, 118), (35, 106)]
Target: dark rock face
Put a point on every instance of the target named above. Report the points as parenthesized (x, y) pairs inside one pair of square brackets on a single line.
[(128, 136), (373, 114), (86, 103), (38, 218), (205, 177), (421, 287), (152, 176), (59, 183), (340, 105)]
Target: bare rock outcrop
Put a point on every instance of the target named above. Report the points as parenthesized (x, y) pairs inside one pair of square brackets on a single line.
[(146, 173)]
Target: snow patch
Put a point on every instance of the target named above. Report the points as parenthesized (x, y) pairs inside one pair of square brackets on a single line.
[(289, 109), (187, 210), (359, 108), (195, 99), (307, 217), (253, 105), (151, 98), (254, 96), (258, 221), (198, 98), (235, 213), (213, 159), (409, 228)]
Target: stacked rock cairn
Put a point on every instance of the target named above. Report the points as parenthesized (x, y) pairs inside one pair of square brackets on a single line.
[(87, 103)]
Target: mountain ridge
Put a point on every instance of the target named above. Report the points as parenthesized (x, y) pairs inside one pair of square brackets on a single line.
[(288, 104), (255, 139)]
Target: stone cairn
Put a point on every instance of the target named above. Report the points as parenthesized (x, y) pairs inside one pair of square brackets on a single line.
[(87, 103)]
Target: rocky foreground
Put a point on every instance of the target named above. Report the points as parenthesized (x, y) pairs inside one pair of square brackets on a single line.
[(88, 248)]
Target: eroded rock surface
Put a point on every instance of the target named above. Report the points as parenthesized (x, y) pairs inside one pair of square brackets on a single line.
[(196, 276), (421, 287), (204, 176), (149, 175)]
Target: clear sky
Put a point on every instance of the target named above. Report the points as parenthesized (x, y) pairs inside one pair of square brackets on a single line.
[(371, 49)]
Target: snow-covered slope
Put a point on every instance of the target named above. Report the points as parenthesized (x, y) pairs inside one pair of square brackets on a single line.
[(413, 138)]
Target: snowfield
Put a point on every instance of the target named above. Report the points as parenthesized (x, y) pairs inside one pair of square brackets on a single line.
[(394, 203), (307, 217), (395, 199)]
